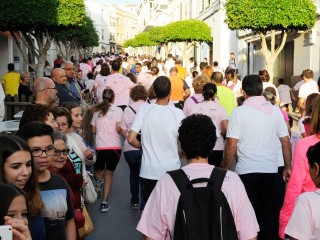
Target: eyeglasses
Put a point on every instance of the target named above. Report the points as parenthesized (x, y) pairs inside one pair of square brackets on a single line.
[(37, 152), (65, 152)]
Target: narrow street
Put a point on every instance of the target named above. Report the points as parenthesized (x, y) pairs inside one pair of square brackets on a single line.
[(120, 222)]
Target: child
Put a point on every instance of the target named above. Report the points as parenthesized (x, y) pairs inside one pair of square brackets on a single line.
[(14, 211), (106, 125)]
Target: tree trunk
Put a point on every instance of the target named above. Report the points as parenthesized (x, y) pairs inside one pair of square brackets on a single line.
[(271, 54), (41, 63)]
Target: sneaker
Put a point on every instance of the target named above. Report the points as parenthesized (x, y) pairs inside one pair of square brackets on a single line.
[(134, 206), (104, 207)]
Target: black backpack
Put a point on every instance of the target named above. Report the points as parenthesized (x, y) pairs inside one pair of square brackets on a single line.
[(203, 213)]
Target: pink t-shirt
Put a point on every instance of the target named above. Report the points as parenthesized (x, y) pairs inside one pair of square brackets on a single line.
[(300, 180), (106, 135), (85, 68), (217, 113), (121, 86), (285, 115), (126, 122), (189, 103), (304, 223), (100, 84), (158, 218)]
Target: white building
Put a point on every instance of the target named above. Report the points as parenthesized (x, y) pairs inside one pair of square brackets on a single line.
[(104, 17)]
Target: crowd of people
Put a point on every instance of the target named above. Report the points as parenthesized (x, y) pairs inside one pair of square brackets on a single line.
[(160, 115)]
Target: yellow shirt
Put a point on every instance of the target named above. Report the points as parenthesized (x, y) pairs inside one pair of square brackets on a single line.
[(11, 81), (226, 98), (181, 71), (176, 88)]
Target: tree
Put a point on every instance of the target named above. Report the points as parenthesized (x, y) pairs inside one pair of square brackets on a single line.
[(187, 31), (82, 38), (36, 21), (267, 18)]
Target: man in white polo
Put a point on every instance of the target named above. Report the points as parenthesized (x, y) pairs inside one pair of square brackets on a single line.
[(253, 131)]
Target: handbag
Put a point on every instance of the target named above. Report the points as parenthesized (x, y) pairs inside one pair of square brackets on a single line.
[(89, 193), (88, 225)]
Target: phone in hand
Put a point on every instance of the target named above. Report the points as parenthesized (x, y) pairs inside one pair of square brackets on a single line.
[(5, 232)]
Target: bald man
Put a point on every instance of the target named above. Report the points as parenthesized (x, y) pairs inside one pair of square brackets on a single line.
[(60, 79), (45, 92)]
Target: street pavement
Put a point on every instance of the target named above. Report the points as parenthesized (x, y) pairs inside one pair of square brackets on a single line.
[(121, 221)]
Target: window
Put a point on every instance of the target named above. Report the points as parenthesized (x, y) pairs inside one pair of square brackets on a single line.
[(102, 34)]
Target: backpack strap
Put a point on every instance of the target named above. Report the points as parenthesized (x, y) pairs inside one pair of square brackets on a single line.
[(133, 110), (180, 178), (182, 181), (194, 99), (217, 176)]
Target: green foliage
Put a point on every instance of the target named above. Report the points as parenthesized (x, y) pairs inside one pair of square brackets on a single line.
[(23, 15), (187, 30), (268, 15), (142, 39), (181, 31), (83, 36)]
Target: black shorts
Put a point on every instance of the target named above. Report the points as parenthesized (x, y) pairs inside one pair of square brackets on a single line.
[(107, 159)]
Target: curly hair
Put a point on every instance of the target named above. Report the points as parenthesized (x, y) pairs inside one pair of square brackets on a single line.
[(197, 136), (35, 113), (199, 82), (138, 92)]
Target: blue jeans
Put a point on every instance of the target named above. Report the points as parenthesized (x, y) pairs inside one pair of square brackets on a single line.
[(133, 159)]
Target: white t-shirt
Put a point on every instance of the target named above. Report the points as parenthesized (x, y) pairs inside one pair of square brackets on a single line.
[(236, 89), (159, 131), (106, 135), (121, 85), (308, 88), (304, 223), (257, 125), (284, 93), (146, 80), (168, 65), (298, 85), (89, 84), (217, 113), (158, 218)]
